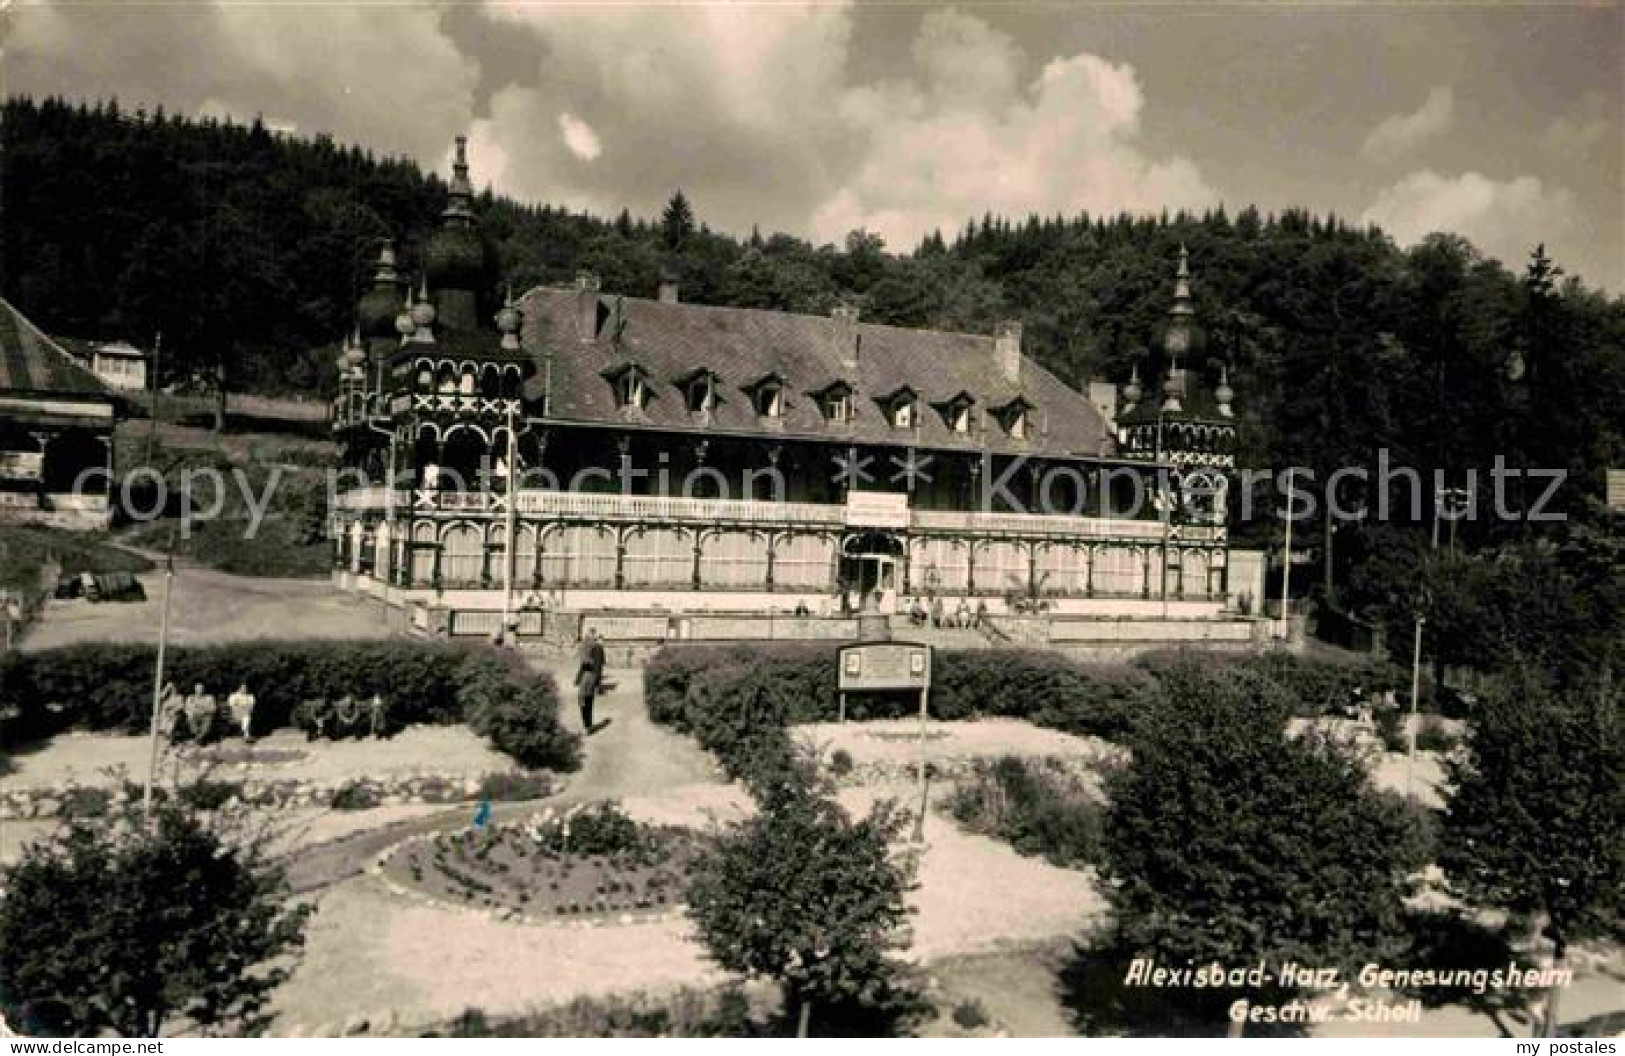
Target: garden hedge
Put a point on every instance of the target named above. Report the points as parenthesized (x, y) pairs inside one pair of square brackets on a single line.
[(1318, 685), (735, 699), (104, 686)]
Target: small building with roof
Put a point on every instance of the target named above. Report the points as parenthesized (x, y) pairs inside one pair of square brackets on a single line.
[(654, 468), (56, 431), (120, 364)]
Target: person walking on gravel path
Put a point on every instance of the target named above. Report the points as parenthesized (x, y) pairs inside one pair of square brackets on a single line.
[(589, 676)]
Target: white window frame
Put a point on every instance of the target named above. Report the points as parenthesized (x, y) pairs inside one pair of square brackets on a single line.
[(769, 399)]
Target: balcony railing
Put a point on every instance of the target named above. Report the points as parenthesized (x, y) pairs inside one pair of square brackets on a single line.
[(1036, 524), (667, 509), (372, 497), (466, 402)]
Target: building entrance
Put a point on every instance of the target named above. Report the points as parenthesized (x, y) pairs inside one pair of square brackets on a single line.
[(870, 567)]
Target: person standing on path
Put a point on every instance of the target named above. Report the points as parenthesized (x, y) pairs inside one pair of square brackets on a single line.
[(589, 676)]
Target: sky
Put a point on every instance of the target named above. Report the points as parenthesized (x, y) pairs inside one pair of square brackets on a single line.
[(1502, 122)]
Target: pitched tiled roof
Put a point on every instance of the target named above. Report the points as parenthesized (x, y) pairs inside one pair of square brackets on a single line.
[(33, 363), (743, 345)]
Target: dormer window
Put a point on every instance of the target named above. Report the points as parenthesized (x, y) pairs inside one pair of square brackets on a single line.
[(767, 396), (1017, 419), (632, 392), (837, 404), (956, 413), (631, 384), (700, 393), (902, 408), (838, 407)]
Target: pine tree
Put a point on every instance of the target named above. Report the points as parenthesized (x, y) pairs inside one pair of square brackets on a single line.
[(677, 222)]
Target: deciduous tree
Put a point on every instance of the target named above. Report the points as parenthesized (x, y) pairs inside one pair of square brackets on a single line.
[(118, 925), (1536, 822), (804, 895), (1229, 841)]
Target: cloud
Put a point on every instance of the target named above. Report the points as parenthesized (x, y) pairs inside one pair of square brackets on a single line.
[(732, 103), (579, 137), (754, 111), (1397, 137), (1505, 219), (963, 135), (391, 79), (1577, 136)]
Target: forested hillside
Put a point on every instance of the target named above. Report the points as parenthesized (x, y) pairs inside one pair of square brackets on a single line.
[(247, 247)]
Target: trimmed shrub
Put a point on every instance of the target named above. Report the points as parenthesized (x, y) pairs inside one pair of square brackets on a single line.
[(686, 1013), (970, 1015), (1320, 685), (108, 686), (1433, 736), (355, 795), (735, 699), (800, 679), (1042, 687), (517, 708), (1035, 806), (510, 786), (204, 794)]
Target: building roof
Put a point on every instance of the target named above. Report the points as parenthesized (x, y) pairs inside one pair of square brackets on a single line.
[(33, 364), (118, 348), (670, 342)]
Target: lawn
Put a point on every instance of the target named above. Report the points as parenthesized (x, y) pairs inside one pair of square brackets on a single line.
[(24, 550), (288, 543)]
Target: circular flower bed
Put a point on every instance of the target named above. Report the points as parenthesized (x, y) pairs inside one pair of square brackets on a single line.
[(589, 864)]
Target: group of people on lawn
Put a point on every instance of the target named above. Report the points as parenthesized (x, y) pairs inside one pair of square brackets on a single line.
[(938, 616), (197, 716)]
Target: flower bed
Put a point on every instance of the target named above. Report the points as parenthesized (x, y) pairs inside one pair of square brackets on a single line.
[(282, 794), (590, 865)]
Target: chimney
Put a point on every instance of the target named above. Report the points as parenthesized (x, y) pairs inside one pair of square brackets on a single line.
[(1007, 349), (587, 305), (847, 341), (668, 291)]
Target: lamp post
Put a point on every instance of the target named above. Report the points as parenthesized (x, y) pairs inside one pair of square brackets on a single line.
[(1286, 557), (1416, 689), (1448, 497), (510, 526), (158, 680), (1163, 500)]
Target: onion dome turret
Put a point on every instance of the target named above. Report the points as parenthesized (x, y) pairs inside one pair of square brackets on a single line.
[(454, 258), (376, 310), (508, 320)]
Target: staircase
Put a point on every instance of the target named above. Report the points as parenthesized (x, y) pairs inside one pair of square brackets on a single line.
[(903, 629)]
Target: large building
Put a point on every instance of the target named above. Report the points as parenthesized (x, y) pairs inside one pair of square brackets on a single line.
[(657, 467), (56, 432)]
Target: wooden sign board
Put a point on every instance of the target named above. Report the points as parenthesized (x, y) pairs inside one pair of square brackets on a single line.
[(1616, 489), (884, 665)]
